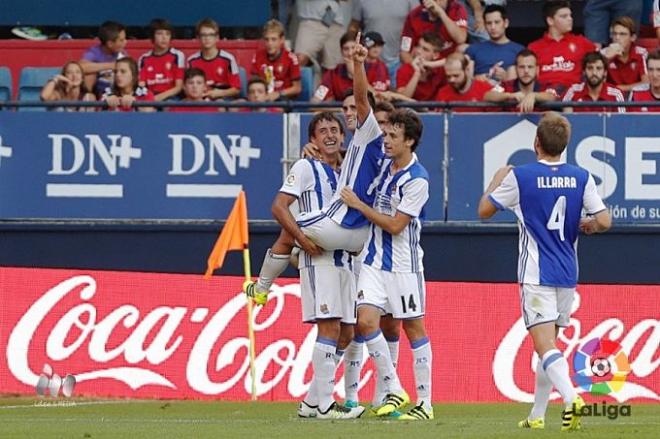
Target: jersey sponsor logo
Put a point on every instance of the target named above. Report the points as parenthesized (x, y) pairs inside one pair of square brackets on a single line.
[(559, 64)]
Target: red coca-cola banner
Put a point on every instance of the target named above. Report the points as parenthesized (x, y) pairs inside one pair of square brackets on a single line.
[(149, 335)]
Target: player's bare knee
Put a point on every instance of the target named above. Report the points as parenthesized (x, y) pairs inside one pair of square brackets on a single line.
[(284, 244), (414, 329), (390, 326), (328, 328), (368, 320), (346, 334)]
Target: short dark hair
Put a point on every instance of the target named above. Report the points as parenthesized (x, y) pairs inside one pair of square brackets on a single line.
[(318, 117), (655, 55), (383, 106), (257, 80), (159, 24), (207, 22), (411, 124), (553, 133), (551, 7), (593, 57), (496, 8), (434, 40), (525, 53), (348, 36), (110, 30), (370, 97), (192, 72)]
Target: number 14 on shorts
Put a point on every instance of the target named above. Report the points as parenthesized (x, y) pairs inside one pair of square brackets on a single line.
[(408, 303)]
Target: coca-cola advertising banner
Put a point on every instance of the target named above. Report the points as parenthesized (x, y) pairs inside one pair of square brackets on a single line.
[(148, 335)]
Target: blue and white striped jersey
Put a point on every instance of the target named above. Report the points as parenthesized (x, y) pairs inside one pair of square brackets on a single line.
[(406, 191), (359, 171), (313, 183), (548, 198)]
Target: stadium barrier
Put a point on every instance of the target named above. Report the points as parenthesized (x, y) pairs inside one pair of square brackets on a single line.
[(113, 166), (146, 335)]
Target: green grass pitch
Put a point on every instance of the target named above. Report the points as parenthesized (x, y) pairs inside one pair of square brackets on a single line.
[(22, 417)]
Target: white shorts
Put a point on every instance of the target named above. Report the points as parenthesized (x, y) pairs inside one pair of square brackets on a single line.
[(329, 235), (541, 304), (401, 294), (328, 292)]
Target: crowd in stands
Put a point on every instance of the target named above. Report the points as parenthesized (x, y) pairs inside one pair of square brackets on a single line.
[(428, 50)]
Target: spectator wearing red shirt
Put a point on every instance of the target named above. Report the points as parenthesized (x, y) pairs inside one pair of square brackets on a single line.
[(594, 89), (422, 78), (125, 90), (445, 18), (161, 69), (276, 65), (648, 92), (627, 61), (335, 82), (374, 43), (194, 90), (559, 51), (460, 86), (527, 91), (221, 69)]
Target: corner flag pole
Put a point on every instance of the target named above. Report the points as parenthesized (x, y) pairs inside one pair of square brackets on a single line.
[(234, 236)]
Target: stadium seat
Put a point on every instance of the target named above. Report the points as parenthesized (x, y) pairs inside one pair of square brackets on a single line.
[(244, 82), (31, 82), (307, 84), (5, 84)]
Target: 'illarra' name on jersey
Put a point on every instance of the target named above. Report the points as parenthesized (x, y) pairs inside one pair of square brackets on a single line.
[(548, 199), (406, 191), (314, 183), (360, 170), (556, 182)]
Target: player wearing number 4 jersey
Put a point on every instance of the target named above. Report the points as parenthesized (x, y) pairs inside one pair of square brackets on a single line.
[(548, 197)]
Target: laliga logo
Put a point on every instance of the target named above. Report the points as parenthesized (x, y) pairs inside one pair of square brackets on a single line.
[(601, 367)]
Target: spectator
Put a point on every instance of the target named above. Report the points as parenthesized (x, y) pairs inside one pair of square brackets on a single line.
[(161, 69), (460, 86), (257, 91), (98, 62), (125, 90), (385, 17), (382, 112), (320, 27), (598, 14), (422, 78), (68, 86), (627, 61), (525, 90), (446, 18), (194, 90), (335, 82), (594, 89), (276, 65), (495, 59), (559, 51), (222, 74), (374, 43), (648, 92), (475, 20)]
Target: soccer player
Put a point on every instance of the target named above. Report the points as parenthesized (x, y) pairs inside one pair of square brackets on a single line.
[(327, 283), (526, 90), (627, 61), (547, 197), (161, 69), (559, 51), (648, 92), (595, 88), (392, 276), (222, 73), (276, 65)]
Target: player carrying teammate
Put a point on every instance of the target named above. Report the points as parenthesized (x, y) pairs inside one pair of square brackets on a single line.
[(548, 197)]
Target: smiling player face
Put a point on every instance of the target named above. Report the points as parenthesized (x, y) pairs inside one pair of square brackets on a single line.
[(328, 136)]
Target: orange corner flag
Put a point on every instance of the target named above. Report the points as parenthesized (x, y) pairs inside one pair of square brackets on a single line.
[(234, 235)]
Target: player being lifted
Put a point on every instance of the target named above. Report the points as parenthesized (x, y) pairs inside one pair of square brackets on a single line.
[(547, 197), (391, 279), (335, 226)]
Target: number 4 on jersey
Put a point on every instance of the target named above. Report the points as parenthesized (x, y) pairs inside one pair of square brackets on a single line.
[(556, 220)]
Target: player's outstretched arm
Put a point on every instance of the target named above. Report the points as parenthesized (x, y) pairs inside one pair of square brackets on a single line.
[(391, 224), (360, 83), (486, 207)]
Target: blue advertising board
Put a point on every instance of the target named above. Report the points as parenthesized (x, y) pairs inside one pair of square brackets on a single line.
[(138, 165), (430, 153), (621, 151)]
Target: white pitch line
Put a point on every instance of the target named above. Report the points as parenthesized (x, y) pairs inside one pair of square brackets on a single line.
[(61, 404)]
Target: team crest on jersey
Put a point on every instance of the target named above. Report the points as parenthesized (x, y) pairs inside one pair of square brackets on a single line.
[(220, 70), (168, 66), (290, 179), (280, 68), (324, 309), (150, 69), (633, 65), (360, 295), (572, 47)]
